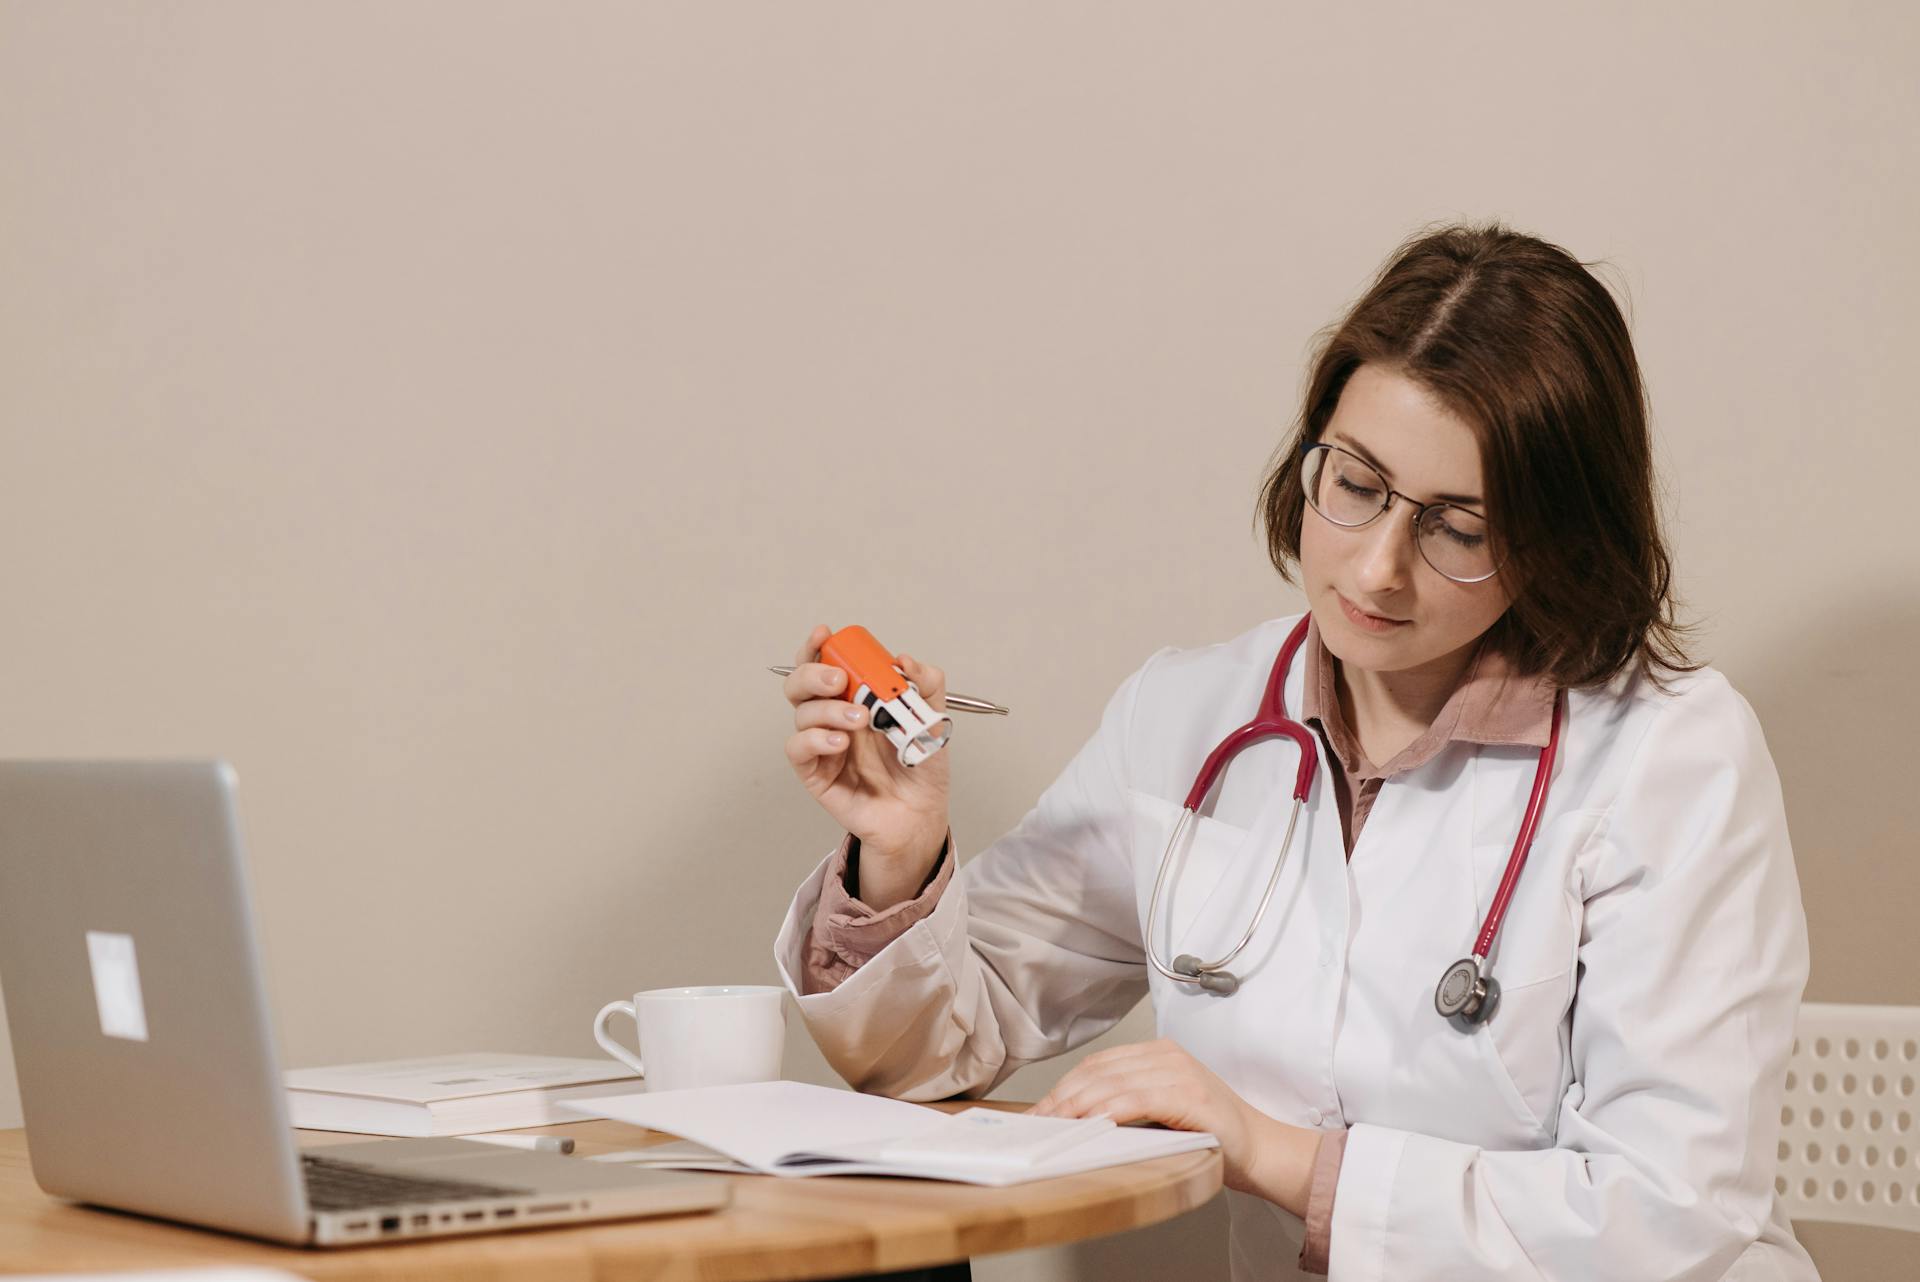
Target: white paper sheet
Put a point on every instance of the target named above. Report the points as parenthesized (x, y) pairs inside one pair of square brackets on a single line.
[(762, 1122)]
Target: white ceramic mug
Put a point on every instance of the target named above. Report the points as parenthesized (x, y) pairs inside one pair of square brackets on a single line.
[(718, 1035)]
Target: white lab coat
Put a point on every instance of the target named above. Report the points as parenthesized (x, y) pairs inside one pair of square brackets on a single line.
[(1616, 1119)]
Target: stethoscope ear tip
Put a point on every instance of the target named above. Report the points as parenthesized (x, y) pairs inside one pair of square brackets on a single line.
[(1225, 983)]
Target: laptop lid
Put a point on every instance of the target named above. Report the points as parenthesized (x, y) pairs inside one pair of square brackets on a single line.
[(140, 1026)]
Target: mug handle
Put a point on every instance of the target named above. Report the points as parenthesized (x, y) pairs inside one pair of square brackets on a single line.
[(612, 1047)]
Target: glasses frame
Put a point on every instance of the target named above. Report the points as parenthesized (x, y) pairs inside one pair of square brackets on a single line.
[(1420, 510)]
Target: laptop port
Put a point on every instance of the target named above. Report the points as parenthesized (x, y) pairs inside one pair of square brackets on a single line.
[(473, 1215), (505, 1213), (421, 1221), (356, 1226), (549, 1208), (389, 1224)]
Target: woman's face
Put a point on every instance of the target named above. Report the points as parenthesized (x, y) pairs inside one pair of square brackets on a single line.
[(1376, 569)]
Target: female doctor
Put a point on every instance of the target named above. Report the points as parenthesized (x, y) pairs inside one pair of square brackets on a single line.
[(1500, 767)]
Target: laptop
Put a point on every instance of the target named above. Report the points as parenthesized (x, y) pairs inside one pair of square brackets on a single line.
[(147, 1068)]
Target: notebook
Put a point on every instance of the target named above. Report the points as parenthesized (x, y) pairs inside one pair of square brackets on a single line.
[(448, 1094), (796, 1129)]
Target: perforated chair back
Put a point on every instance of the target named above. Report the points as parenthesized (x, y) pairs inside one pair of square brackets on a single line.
[(1850, 1134)]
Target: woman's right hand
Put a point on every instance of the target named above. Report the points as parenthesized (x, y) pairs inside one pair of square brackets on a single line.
[(898, 812)]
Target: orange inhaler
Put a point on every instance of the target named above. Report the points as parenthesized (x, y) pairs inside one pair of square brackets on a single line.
[(896, 708)]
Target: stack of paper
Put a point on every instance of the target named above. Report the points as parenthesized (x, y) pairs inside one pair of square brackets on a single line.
[(794, 1129), (448, 1094)]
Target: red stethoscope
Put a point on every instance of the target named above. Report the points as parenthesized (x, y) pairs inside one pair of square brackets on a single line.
[(1467, 994)]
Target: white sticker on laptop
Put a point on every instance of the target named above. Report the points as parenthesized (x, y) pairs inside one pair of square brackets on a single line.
[(116, 985)]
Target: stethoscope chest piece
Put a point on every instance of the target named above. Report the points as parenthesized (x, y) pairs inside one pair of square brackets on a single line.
[(1465, 995)]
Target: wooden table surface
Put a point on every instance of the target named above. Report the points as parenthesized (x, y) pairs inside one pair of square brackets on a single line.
[(830, 1226)]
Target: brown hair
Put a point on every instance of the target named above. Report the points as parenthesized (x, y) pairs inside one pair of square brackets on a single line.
[(1515, 337)]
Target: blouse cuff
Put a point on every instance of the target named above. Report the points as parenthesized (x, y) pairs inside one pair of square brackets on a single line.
[(848, 933), (1318, 1246)]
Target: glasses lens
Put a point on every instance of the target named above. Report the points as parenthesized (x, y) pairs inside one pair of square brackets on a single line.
[(1455, 542), (1341, 487)]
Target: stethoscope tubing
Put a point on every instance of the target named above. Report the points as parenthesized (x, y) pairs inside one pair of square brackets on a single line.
[(1153, 908), (1523, 843)]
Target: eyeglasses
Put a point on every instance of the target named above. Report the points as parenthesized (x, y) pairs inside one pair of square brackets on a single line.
[(1350, 492)]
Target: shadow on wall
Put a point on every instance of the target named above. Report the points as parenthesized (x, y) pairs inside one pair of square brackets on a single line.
[(1840, 707)]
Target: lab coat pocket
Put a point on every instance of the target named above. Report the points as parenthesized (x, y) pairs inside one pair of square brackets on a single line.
[(1525, 1044), (1196, 867), (1539, 936)]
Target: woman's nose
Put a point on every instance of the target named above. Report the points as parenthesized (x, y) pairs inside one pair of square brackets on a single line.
[(1385, 561)]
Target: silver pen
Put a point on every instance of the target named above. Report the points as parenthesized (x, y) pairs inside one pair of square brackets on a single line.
[(957, 702), (538, 1143)]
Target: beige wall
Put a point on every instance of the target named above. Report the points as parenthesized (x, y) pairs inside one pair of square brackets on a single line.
[(445, 411)]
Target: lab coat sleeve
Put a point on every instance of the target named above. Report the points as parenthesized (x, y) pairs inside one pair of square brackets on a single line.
[(1692, 960), (1033, 949)]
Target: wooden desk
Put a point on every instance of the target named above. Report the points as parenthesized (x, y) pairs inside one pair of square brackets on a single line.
[(775, 1228)]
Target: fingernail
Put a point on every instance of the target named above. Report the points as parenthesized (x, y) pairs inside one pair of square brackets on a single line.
[(836, 739)]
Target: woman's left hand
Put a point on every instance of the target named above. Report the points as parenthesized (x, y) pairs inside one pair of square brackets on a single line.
[(1160, 1082)]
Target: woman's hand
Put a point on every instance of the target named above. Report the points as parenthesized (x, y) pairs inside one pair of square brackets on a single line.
[(1160, 1082), (853, 771)]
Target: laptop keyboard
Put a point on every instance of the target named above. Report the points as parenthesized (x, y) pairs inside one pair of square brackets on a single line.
[(341, 1186)]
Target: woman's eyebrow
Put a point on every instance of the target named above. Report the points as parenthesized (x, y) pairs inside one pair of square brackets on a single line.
[(1464, 500)]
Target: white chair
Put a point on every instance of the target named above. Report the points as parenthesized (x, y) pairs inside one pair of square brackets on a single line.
[(1850, 1133)]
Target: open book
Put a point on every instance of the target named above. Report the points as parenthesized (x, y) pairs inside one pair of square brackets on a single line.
[(794, 1129)]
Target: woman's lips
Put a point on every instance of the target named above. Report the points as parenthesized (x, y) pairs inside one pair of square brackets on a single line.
[(1368, 622)]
